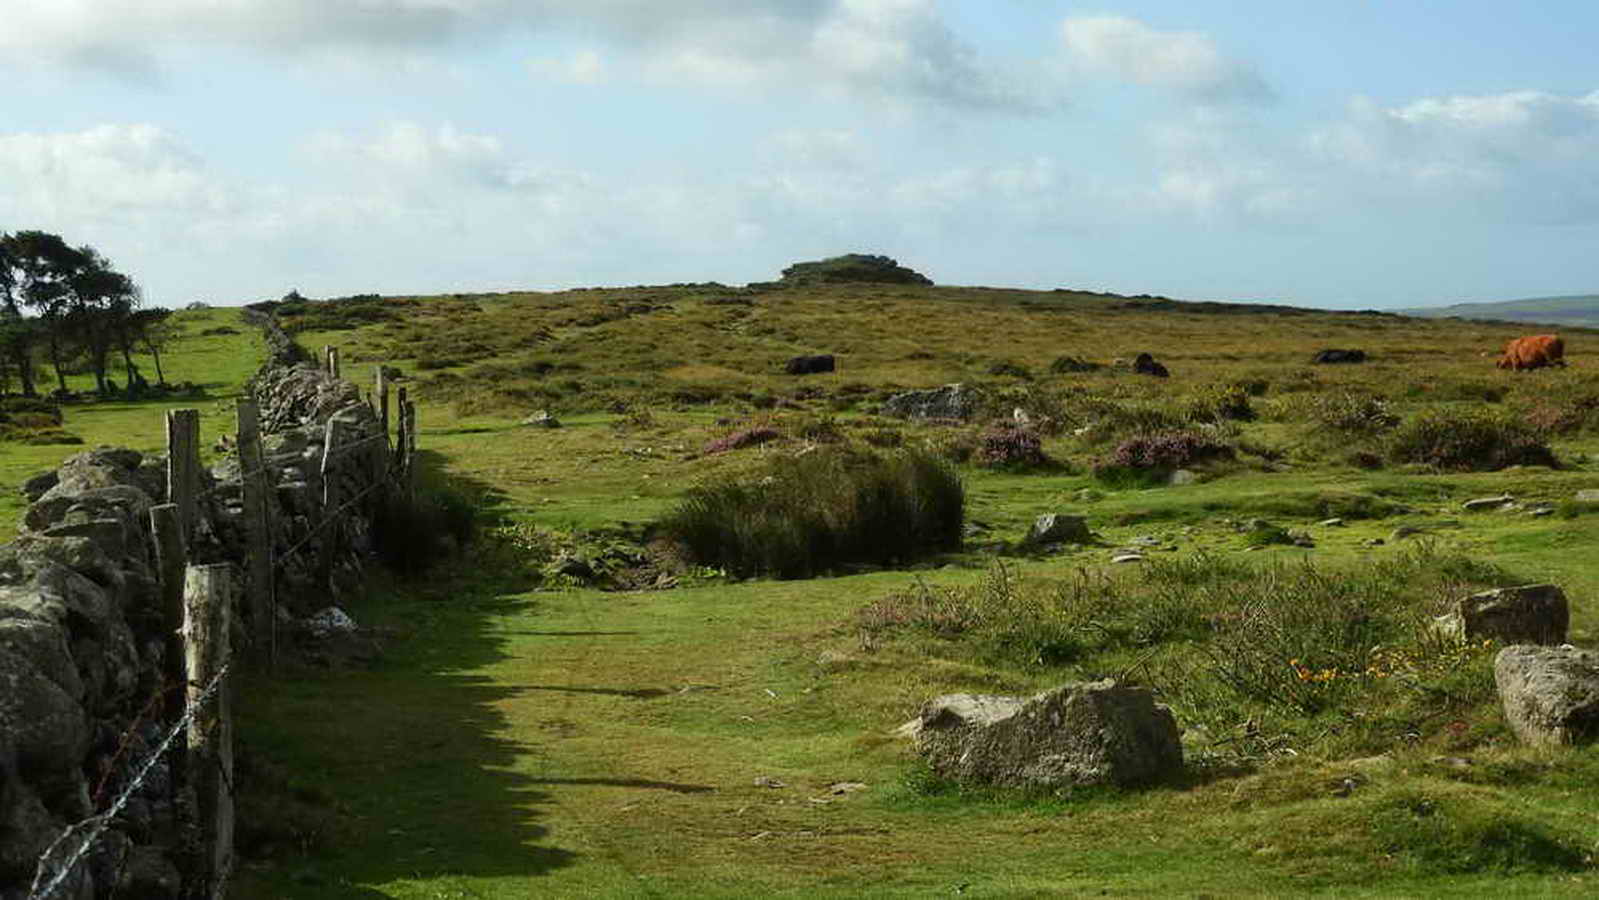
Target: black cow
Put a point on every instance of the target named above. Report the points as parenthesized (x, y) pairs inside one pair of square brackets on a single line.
[(1146, 365), (810, 365), (1339, 356)]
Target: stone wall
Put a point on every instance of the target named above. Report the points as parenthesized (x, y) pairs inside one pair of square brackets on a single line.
[(82, 643)]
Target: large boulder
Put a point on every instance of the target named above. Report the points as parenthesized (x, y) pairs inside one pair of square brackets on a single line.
[(1529, 614), (1059, 528), (952, 401), (1080, 733), (1550, 695)]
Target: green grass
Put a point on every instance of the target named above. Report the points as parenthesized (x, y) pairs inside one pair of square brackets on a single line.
[(217, 364), (522, 737)]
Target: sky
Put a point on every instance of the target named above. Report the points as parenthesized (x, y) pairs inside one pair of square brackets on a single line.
[(1333, 153)]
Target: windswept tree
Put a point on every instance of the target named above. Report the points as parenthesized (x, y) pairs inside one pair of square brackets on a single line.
[(83, 308), (153, 327)]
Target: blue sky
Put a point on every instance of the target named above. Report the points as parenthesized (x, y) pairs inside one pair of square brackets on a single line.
[(1342, 154)]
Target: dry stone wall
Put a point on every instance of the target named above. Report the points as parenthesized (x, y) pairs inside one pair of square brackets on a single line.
[(82, 636)]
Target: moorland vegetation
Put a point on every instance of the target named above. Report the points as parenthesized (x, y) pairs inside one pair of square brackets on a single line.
[(671, 658)]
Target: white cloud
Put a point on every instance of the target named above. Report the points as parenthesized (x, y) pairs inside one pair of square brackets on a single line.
[(900, 49), (586, 67), (1519, 155), (1183, 61), (101, 171)]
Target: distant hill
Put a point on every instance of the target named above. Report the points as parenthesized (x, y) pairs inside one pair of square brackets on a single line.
[(1580, 309)]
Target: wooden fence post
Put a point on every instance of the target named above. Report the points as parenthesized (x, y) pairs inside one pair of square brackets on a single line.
[(410, 448), (332, 495), (381, 457), (333, 361), (327, 358), (258, 604), (402, 439), (183, 466), (171, 557), (206, 606)]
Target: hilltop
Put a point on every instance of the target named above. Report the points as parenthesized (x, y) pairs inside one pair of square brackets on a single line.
[(1575, 309)]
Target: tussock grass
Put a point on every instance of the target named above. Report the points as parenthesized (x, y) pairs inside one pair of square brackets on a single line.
[(803, 515)]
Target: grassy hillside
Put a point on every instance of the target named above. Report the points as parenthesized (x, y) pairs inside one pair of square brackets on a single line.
[(1580, 309), (665, 730), (212, 353)]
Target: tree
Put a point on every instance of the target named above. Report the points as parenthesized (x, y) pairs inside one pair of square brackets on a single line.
[(155, 330), (44, 265), (19, 336)]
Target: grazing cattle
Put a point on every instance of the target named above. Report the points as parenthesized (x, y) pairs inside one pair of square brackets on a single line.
[(1340, 356), (1146, 365), (1534, 352), (810, 365)]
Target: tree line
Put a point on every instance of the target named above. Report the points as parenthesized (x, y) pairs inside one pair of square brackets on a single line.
[(68, 307)]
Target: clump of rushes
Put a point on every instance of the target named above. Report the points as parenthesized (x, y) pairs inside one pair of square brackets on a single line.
[(803, 515)]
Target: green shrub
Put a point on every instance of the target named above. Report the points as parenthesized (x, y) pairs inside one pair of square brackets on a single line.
[(1220, 403), (411, 533), (1471, 441), (802, 515), (1352, 412)]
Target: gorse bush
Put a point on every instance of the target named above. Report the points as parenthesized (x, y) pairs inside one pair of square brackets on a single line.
[(1220, 403), (1352, 412), (803, 515), (1472, 441)]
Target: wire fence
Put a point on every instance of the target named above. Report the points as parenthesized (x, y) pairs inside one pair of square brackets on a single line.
[(46, 883)]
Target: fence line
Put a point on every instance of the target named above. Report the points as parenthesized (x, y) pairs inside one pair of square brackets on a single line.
[(99, 823), (172, 527)]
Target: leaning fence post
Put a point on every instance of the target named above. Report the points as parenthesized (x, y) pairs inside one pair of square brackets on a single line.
[(206, 603), (183, 465), (258, 593)]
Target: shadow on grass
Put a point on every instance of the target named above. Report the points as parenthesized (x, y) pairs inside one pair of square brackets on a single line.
[(409, 780)]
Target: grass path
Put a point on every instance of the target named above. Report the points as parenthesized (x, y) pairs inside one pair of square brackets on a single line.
[(582, 744)]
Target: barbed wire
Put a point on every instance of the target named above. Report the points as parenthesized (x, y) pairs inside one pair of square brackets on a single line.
[(341, 451), (329, 519), (100, 822)]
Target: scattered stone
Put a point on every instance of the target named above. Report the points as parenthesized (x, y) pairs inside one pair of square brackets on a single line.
[(810, 365), (1301, 539), (1339, 356), (1145, 540), (1331, 523), (952, 401), (1588, 496), (1079, 733), (1405, 531), (1181, 477), (542, 419), (1529, 614), (329, 622), (1485, 503), (1373, 542), (1059, 528), (767, 781), (1539, 512), (1127, 558), (1550, 695)]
